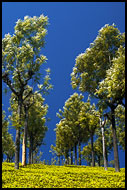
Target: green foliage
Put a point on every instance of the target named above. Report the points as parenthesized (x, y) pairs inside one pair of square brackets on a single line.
[(88, 117), (91, 66), (68, 130), (21, 58), (37, 120), (113, 86), (36, 116), (86, 152), (100, 71), (120, 125), (50, 176), (8, 147)]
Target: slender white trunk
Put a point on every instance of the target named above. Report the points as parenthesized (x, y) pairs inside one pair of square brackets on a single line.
[(25, 139), (103, 143)]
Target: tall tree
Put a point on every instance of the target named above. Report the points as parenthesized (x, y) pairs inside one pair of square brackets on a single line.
[(29, 101), (89, 122), (64, 139), (96, 71), (36, 125), (70, 113), (21, 61), (112, 91)]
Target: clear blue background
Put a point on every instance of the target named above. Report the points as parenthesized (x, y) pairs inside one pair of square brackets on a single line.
[(73, 26)]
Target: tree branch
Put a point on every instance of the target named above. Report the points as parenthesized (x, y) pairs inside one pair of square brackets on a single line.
[(20, 80), (9, 83), (30, 92)]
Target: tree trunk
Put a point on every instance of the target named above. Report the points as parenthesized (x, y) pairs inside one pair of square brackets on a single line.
[(72, 156), (75, 154), (104, 151), (17, 141), (92, 151), (62, 160), (99, 160), (25, 138), (116, 157), (59, 160), (30, 155), (66, 157), (79, 152), (31, 144), (31, 150), (106, 156)]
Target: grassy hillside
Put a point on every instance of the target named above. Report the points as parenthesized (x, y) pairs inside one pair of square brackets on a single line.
[(47, 176)]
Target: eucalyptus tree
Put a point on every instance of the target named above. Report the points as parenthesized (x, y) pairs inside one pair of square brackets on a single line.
[(32, 99), (100, 70), (33, 116), (112, 89), (21, 61), (90, 122), (71, 112), (44, 89), (36, 124), (64, 138)]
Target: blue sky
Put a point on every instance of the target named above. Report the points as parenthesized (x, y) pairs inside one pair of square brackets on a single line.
[(73, 26)]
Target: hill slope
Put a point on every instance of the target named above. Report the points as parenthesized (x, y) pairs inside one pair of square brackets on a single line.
[(50, 176)]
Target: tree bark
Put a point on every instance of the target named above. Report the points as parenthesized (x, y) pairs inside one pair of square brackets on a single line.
[(31, 150), (99, 161), (92, 151), (116, 157), (30, 155), (25, 138), (17, 141), (75, 154), (79, 152), (106, 156), (103, 142), (66, 157), (72, 156)]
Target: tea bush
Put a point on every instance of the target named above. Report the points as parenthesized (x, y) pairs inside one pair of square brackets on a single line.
[(51, 176)]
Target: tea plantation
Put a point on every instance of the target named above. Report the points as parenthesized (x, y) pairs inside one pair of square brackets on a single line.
[(51, 176)]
